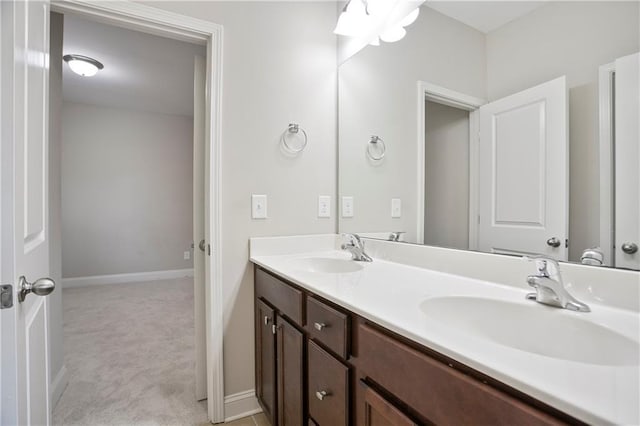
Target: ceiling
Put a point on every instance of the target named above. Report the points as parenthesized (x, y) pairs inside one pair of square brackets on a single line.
[(141, 71), (484, 16)]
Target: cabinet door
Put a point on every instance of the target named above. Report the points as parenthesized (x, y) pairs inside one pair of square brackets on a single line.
[(380, 412), (289, 343), (328, 388), (266, 360)]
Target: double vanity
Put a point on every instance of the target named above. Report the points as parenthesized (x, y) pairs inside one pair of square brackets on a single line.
[(398, 340)]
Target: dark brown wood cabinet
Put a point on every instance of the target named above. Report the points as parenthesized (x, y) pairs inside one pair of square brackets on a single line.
[(290, 373), (319, 364)]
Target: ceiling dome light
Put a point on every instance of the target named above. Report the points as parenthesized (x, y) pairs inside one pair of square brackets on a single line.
[(393, 34), (410, 18), (83, 65)]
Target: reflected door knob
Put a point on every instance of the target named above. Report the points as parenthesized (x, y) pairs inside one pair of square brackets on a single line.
[(629, 248), (40, 287), (553, 242)]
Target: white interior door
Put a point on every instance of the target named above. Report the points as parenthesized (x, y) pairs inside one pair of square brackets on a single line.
[(524, 172), (627, 162), (199, 80), (25, 64)]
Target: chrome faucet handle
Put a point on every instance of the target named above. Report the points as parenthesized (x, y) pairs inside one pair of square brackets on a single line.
[(353, 239), (395, 236), (546, 267)]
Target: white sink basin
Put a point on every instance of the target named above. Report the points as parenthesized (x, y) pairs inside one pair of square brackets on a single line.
[(534, 328), (326, 265)]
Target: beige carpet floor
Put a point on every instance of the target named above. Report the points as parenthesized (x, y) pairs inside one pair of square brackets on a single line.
[(129, 352)]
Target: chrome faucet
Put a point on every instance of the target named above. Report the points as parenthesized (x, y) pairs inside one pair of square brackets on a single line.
[(550, 289), (395, 236), (356, 247)]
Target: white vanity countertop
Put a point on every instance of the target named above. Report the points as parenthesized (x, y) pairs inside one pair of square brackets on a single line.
[(391, 295)]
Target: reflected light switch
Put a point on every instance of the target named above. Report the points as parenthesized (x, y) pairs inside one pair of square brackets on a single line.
[(347, 206), (396, 207)]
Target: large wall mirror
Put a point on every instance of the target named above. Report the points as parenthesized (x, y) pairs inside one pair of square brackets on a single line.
[(505, 127)]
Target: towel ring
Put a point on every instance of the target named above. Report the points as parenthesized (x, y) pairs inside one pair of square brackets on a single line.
[(375, 140), (293, 130)]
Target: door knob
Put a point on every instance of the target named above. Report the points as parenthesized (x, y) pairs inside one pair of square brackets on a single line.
[(321, 395), (553, 242), (629, 248), (40, 287), (201, 246)]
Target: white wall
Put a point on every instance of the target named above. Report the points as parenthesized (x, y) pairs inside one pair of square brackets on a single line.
[(279, 66), (378, 96), (572, 39), (56, 355), (126, 191), (446, 210)]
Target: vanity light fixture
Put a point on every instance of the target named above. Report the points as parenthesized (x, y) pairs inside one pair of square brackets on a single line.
[(364, 18), (83, 65)]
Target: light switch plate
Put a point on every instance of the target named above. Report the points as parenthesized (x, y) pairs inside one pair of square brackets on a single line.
[(396, 207), (258, 206), (347, 206), (324, 206)]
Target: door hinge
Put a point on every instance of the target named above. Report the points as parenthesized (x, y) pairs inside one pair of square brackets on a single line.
[(273, 329), (209, 249), (478, 219), (6, 296), (566, 243)]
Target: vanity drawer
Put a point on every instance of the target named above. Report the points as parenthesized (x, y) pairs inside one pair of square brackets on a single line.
[(436, 391), (285, 298), (328, 325), (328, 387)]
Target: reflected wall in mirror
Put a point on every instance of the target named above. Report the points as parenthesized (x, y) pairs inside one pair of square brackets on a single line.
[(501, 124)]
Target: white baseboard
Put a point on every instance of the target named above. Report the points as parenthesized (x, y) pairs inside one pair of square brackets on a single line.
[(240, 405), (125, 278), (57, 386)]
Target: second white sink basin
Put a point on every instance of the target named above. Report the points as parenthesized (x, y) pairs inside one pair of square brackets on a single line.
[(534, 328), (326, 265)]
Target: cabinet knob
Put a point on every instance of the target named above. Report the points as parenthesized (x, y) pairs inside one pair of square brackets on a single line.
[(322, 394), (319, 325), (629, 248), (553, 242)]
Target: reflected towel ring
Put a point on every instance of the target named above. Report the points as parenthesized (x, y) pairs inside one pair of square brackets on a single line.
[(294, 129), (375, 140)]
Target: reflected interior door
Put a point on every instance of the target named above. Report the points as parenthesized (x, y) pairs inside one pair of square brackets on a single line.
[(199, 289), (524, 172), (627, 162), (26, 28)]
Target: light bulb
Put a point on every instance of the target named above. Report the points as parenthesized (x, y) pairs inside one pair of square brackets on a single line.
[(353, 21), (410, 18), (393, 34)]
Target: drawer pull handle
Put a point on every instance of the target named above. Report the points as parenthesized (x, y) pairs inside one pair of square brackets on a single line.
[(321, 395), (319, 325), (266, 320)]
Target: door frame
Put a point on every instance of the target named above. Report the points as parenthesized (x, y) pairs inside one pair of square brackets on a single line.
[(432, 92), (151, 20), (607, 193)]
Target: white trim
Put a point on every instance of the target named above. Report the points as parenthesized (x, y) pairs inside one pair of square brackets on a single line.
[(605, 107), (474, 178), (434, 93), (242, 404), (125, 278), (157, 21), (58, 385)]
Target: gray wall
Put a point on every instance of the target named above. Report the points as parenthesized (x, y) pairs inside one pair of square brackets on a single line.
[(279, 66), (56, 356), (378, 94), (446, 212), (126, 191), (572, 39)]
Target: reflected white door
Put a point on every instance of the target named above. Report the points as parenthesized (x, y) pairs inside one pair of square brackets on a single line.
[(524, 172), (25, 75), (199, 78), (627, 162)]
